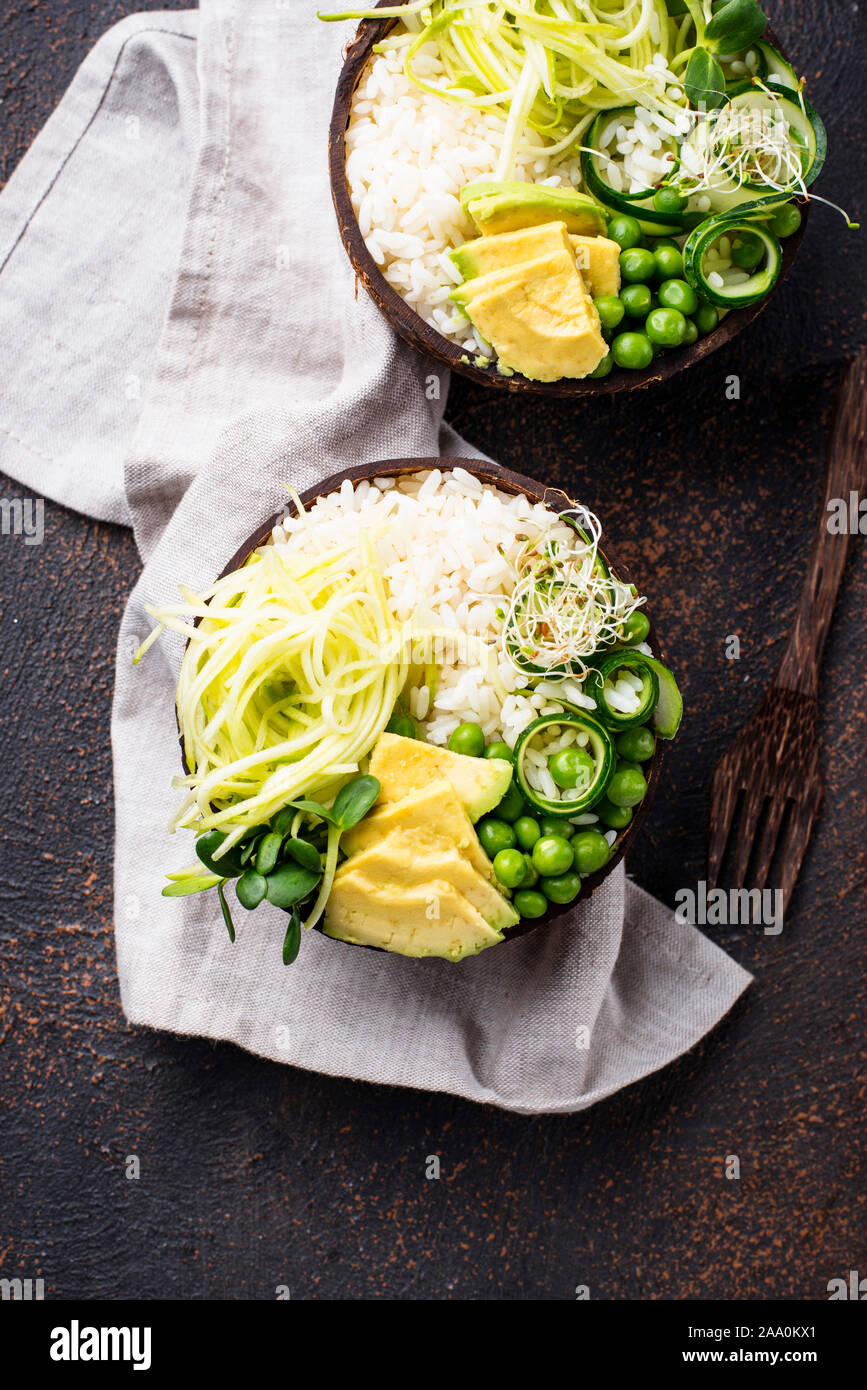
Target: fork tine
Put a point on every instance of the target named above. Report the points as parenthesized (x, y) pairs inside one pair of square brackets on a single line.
[(769, 841), (723, 798), (749, 819), (795, 847)]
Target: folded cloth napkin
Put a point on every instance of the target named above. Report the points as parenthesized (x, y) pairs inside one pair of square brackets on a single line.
[(188, 341)]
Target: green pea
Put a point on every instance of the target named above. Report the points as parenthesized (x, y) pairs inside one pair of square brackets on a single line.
[(627, 787), (402, 724), (590, 851), (614, 817), (786, 220), (677, 294), (552, 855), (499, 750), (626, 231), (527, 831), (512, 805), (706, 318), (571, 767), (661, 241), (669, 200), (747, 251), (603, 366), (625, 763), (667, 327), (610, 310), (638, 744), (531, 876), (632, 350), (529, 904), (495, 835), (637, 300), (468, 739), (563, 887), (553, 825), (668, 262), (637, 265), (510, 867), (636, 628), (691, 333)]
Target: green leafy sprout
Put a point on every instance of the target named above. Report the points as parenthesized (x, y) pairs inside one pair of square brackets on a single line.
[(290, 861)]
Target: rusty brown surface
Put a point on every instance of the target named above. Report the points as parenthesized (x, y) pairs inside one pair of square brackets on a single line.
[(253, 1174)]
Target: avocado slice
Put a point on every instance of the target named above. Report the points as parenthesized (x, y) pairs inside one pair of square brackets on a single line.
[(429, 919), (484, 189), (488, 253), (538, 316), (528, 204), (432, 809), (598, 259), (410, 858), (560, 263), (403, 765)]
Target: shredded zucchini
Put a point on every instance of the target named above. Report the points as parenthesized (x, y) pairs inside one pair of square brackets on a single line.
[(288, 679), (547, 65)]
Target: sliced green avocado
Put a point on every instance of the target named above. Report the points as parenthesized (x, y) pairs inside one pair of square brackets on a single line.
[(527, 204), (559, 262), (471, 191), (411, 858), (464, 261), (430, 919), (485, 254), (538, 316), (404, 765)]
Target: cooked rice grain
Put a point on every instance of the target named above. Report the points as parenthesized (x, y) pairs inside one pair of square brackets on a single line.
[(447, 546)]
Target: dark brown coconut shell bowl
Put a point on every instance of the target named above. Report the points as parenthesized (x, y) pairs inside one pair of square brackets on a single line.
[(413, 329), (513, 483)]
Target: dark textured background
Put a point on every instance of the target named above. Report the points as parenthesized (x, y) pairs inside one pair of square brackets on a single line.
[(255, 1175)]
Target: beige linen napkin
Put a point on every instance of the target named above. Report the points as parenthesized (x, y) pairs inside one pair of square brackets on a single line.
[(189, 339)]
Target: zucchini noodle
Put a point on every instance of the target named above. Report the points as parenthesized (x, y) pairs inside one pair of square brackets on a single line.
[(287, 681), (547, 65)]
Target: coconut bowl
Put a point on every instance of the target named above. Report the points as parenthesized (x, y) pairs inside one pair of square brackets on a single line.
[(513, 483), (426, 339)]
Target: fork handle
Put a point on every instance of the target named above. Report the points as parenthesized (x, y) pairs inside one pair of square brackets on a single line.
[(846, 473)]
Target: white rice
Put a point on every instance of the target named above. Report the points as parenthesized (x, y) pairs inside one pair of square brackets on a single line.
[(409, 153), (446, 545)]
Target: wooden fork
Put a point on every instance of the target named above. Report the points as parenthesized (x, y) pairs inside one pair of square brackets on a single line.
[(771, 772)]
